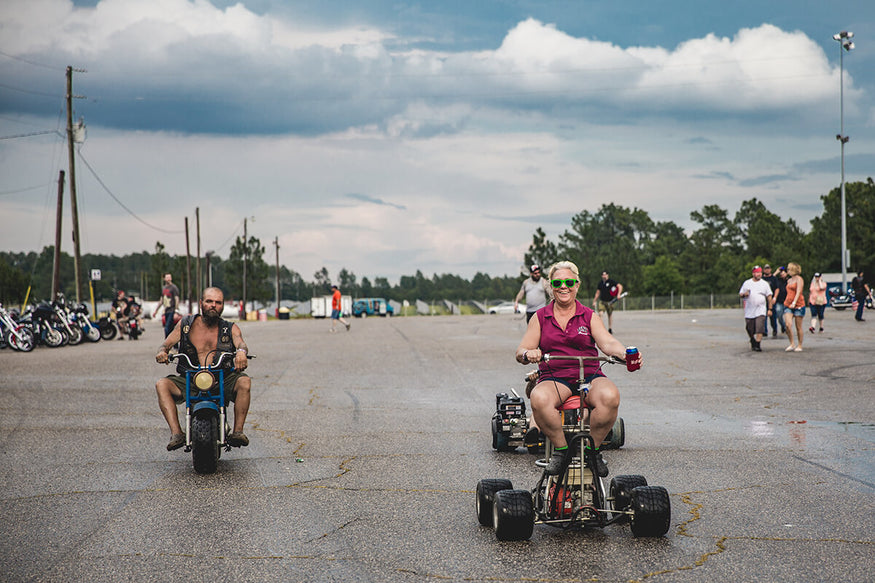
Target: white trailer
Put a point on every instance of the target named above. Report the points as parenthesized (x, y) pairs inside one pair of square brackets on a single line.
[(320, 306)]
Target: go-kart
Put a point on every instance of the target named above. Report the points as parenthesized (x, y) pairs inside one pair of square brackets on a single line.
[(510, 425), (578, 497)]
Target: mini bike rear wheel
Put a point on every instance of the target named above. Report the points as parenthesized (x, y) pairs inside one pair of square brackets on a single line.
[(513, 515), (651, 511), (486, 490)]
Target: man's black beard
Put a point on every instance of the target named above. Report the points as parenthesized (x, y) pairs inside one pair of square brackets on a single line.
[(211, 320)]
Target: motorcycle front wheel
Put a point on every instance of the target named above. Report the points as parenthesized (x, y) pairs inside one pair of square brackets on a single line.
[(54, 337), (93, 334), (25, 341), (75, 335), (205, 443)]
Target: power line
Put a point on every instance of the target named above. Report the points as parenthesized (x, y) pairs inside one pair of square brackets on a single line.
[(25, 189), (35, 64), (120, 203), (30, 134)]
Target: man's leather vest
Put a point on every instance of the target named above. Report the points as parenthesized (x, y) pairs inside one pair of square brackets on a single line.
[(224, 343)]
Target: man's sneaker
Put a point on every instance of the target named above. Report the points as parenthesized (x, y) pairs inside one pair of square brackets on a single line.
[(558, 462), (774, 333), (177, 440), (601, 468), (237, 439)]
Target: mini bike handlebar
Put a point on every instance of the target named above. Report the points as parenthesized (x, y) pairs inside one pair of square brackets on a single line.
[(547, 357), (191, 365)]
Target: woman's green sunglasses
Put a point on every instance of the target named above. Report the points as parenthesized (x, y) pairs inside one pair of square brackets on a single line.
[(557, 283)]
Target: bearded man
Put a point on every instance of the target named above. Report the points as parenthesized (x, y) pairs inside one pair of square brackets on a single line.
[(202, 336)]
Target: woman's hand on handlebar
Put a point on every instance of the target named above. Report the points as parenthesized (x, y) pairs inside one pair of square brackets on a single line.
[(530, 356)]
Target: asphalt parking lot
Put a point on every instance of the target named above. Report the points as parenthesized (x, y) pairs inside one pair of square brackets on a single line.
[(366, 447)]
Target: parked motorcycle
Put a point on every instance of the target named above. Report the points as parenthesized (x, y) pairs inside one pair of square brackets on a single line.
[(67, 320), (132, 326), (14, 334), (89, 328), (42, 321)]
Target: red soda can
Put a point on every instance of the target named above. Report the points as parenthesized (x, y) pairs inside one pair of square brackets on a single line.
[(632, 361)]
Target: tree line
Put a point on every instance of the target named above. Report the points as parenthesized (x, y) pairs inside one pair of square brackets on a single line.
[(648, 257)]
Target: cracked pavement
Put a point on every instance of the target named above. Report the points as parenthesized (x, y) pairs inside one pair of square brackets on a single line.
[(366, 447)]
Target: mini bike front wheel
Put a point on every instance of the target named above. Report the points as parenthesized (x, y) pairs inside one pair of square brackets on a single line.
[(205, 443), (486, 490), (651, 511), (513, 515)]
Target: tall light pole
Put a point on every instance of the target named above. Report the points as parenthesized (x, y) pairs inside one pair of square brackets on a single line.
[(845, 44)]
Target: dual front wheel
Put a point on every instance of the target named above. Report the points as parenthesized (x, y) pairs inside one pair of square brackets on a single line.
[(511, 512)]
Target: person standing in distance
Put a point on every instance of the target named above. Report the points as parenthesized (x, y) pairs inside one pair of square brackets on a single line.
[(170, 302), (794, 305), (757, 294), (861, 292), (771, 279), (605, 295), (537, 292), (817, 301), (336, 308)]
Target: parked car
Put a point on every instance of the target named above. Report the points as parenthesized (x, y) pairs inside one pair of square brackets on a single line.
[(504, 308)]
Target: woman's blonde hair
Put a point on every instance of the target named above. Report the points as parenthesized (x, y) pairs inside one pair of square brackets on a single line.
[(793, 268), (563, 265)]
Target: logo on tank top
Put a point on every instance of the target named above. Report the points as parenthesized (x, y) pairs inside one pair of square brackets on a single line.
[(583, 331)]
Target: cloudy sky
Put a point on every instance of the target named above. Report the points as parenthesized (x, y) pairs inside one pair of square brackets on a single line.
[(386, 136)]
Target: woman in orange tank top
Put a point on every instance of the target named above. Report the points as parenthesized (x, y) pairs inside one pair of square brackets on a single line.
[(795, 304)]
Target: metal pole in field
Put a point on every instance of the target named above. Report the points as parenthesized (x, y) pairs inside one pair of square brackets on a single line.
[(187, 267), (56, 265), (845, 44), (276, 242), (245, 254), (74, 206)]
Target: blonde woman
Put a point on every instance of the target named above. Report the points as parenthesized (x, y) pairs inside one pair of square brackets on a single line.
[(567, 327), (794, 305)]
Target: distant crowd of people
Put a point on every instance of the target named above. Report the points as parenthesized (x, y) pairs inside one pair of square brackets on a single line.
[(779, 299)]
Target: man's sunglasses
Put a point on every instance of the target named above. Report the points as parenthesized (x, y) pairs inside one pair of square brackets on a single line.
[(557, 283)]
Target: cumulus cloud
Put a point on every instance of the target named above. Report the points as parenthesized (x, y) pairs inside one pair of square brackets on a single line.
[(360, 148), (189, 66)]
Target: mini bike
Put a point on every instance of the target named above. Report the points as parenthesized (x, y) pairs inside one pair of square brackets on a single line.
[(206, 422), (578, 498)]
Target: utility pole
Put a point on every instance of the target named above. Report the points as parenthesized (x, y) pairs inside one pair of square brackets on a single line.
[(200, 281), (187, 267), (245, 255), (276, 242), (75, 208), (56, 266)]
